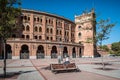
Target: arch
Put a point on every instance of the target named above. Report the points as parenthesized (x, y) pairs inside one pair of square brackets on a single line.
[(54, 52), (73, 53), (24, 52), (40, 52), (65, 52), (8, 52)]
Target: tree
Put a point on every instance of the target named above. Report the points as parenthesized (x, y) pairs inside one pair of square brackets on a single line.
[(104, 28), (116, 48), (9, 10), (105, 48)]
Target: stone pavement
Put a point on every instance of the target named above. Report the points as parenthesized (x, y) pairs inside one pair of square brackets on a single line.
[(38, 69)]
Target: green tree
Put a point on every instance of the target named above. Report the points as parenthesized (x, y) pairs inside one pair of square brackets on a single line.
[(103, 30), (105, 48), (116, 48), (9, 10)]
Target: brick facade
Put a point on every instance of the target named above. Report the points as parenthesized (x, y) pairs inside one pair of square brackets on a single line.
[(44, 35)]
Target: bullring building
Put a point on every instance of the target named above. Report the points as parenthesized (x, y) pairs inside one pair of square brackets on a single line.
[(44, 35)]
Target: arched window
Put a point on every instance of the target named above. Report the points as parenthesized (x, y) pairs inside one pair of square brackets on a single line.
[(51, 38), (57, 32), (27, 28), (60, 32), (47, 30), (38, 19), (47, 38), (35, 37), (40, 29), (51, 31), (23, 27), (23, 36), (40, 37), (27, 37), (36, 29), (79, 34), (41, 20), (25, 17)]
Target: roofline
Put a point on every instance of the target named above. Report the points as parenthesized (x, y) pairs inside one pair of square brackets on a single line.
[(46, 13)]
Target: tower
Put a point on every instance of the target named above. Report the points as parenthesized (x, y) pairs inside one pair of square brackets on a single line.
[(85, 32)]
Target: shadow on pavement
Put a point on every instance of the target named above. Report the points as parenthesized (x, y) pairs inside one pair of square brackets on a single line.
[(14, 75)]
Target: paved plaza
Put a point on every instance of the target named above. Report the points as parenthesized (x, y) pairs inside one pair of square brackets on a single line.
[(38, 69)]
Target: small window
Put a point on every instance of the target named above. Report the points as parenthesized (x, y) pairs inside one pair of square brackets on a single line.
[(27, 28), (28, 18), (41, 20), (27, 36), (25, 17), (40, 37), (34, 19), (35, 37), (40, 29), (79, 27), (79, 34), (57, 32), (38, 19), (60, 32), (47, 38), (47, 30), (36, 29), (23, 36), (51, 31), (51, 38)]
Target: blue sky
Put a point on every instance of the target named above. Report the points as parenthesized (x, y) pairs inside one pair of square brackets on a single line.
[(69, 8)]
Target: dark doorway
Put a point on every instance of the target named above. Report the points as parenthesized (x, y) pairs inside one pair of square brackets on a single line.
[(54, 52), (40, 52), (24, 53), (80, 52), (73, 53), (8, 52), (65, 52)]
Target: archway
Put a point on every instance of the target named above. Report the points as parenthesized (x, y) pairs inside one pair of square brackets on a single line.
[(65, 52), (8, 52), (80, 52), (54, 52), (73, 53), (40, 52), (24, 52)]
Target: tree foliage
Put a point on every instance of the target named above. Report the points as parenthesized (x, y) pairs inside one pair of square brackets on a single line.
[(116, 48), (103, 30), (9, 10), (105, 48)]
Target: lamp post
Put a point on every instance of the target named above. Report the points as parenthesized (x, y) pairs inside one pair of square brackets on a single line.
[(60, 57)]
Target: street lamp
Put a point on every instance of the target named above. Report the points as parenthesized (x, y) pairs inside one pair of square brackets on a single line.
[(60, 56)]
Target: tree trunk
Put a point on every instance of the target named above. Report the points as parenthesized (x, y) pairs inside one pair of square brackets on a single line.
[(4, 46), (103, 65)]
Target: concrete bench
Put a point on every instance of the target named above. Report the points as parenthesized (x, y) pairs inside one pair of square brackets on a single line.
[(62, 67)]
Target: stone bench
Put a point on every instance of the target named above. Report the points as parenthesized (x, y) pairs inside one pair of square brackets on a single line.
[(62, 67)]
